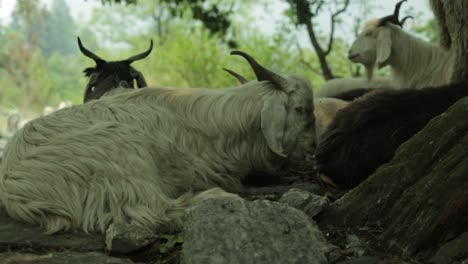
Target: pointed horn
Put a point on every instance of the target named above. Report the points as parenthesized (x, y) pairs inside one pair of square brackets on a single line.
[(89, 54), (396, 13), (394, 17), (262, 73), (239, 77), (141, 55), (402, 22)]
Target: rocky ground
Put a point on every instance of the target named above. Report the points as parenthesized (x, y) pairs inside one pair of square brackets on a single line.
[(273, 224)]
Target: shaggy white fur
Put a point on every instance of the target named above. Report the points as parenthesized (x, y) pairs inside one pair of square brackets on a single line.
[(337, 86), (139, 157), (414, 62)]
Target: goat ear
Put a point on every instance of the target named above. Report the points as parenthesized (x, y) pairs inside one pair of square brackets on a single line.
[(384, 47), (89, 86), (273, 123), (138, 76)]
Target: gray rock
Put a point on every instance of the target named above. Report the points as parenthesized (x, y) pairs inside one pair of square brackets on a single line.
[(307, 202), (122, 239), (239, 231), (356, 245), (452, 250), (15, 235), (60, 258)]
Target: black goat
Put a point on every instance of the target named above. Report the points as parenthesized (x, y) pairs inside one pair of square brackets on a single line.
[(109, 75), (351, 95), (366, 133)]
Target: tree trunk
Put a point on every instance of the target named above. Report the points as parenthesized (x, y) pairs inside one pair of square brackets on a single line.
[(326, 71), (456, 20), (439, 12), (418, 200)]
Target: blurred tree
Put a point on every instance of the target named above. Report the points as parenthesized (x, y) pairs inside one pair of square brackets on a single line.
[(303, 12), (21, 59), (215, 15), (119, 1), (57, 32)]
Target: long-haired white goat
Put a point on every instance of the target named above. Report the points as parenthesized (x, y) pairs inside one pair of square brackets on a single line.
[(143, 156), (337, 87), (414, 62)]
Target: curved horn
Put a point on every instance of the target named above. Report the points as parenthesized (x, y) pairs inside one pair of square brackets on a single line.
[(89, 54), (141, 55), (262, 73), (239, 77), (402, 22), (396, 13), (394, 17)]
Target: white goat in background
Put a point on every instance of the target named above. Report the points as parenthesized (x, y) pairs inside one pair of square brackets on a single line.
[(142, 157), (335, 87), (414, 62)]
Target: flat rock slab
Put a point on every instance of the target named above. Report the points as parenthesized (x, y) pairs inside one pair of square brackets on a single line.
[(17, 236), (239, 231), (60, 258)]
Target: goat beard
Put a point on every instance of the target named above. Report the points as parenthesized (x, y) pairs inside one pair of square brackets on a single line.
[(369, 72)]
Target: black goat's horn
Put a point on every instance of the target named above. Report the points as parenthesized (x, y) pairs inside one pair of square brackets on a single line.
[(262, 73), (239, 77), (394, 18), (402, 22), (89, 54), (141, 55)]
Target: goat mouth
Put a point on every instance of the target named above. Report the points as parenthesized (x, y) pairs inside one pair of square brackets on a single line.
[(353, 57)]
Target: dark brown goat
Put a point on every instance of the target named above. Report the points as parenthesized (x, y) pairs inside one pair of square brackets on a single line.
[(366, 134), (106, 76), (352, 95)]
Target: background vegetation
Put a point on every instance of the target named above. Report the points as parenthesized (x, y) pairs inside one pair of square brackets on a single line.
[(40, 63)]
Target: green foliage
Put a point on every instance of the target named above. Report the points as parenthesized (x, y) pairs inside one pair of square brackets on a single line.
[(67, 79), (428, 30), (56, 30)]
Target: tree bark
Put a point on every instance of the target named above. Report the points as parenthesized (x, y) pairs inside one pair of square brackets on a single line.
[(419, 200), (322, 56), (439, 12), (456, 20)]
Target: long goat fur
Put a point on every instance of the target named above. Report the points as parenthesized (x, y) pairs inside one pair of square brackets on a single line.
[(414, 63), (367, 132), (336, 88), (417, 63), (137, 157)]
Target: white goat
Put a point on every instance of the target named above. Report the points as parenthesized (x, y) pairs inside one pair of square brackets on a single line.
[(414, 62), (325, 110), (139, 157), (335, 87)]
